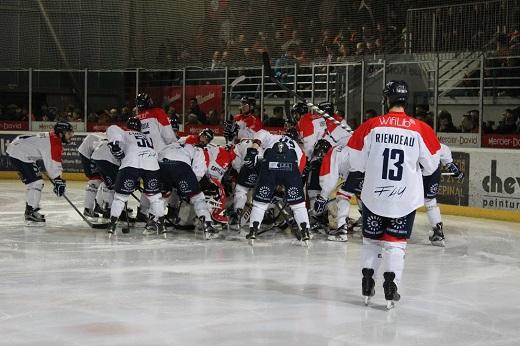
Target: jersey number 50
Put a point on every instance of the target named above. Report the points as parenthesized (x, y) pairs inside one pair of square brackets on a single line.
[(143, 142), (398, 156)]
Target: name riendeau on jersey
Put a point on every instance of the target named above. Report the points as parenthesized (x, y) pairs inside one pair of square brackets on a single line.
[(395, 139)]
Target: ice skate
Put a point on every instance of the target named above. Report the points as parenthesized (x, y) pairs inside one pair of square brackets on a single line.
[(172, 216), (33, 217), (390, 288), (153, 226), (90, 213), (304, 232), (437, 235), (235, 217), (351, 224), (367, 284), (113, 224), (141, 217), (210, 232), (339, 234), (251, 236)]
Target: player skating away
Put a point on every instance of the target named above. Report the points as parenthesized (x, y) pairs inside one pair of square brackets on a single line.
[(182, 167), (25, 150), (245, 124), (390, 150), (431, 188), (282, 164), (138, 160), (85, 150)]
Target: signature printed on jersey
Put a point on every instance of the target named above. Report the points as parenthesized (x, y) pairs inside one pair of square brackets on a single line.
[(390, 191)]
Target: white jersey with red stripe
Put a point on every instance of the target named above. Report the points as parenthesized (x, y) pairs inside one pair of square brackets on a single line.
[(248, 125), (267, 140), (190, 154), (335, 134), (138, 149), (391, 149), (155, 124), (45, 146), (102, 153), (335, 165), (90, 143), (218, 160), (311, 128), (190, 139)]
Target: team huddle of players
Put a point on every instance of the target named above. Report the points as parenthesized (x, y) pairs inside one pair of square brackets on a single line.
[(391, 163)]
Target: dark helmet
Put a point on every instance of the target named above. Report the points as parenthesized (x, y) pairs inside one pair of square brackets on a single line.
[(327, 107), (251, 101), (133, 123), (293, 134), (395, 91), (62, 127), (208, 133), (321, 147), (143, 101), (300, 108), (280, 147), (174, 122)]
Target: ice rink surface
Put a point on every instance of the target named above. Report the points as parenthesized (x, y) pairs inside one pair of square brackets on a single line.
[(66, 284)]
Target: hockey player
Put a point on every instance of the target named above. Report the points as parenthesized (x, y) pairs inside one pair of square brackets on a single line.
[(218, 160), (201, 140), (431, 188), (107, 166), (310, 127), (334, 133), (25, 150), (138, 160), (389, 149), (85, 150), (245, 124), (282, 164), (157, 127), (182, 167)]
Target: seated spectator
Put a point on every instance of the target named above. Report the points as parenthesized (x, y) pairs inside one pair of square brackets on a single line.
[(213, 117), (468, 124), (192, 119), (125, 113), (445, 122), (277, 119), (508, 123), (195, 109)]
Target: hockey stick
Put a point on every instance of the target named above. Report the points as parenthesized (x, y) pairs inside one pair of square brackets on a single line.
[(269, 72), (233, 84), (103, 225)]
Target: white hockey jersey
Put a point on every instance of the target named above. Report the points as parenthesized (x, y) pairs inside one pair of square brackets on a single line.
[(267, 140), (335, 164), (138, 149), (311, 128), (45, 146), (390, 150), (156, 126), (190, 154), (102, 153), (248, 125), (445, 155), (90, 143), (239, 152)]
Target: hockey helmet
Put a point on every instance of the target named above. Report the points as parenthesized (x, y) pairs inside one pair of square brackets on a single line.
[(251, 101), (208, 133), (327, 107), (321, 147), (300, 108), (293, 134), (143, 101), (174, 122), (280, 147), (133, 123), (63, 127), (395, 91)]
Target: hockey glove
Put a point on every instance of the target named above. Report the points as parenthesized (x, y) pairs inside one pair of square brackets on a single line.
[(454, 169), (59, 186), (319, 205), (251, 158), (230, 130), (116, 150)]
